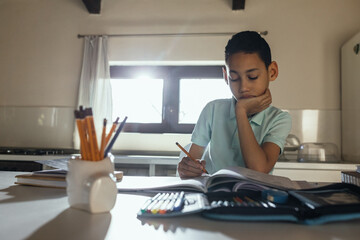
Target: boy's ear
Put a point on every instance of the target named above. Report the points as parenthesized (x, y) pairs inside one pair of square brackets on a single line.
[(273, 71), (225, 76)]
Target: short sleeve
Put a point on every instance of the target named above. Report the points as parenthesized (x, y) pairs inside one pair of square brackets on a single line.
[(279, 130), (202, 132)]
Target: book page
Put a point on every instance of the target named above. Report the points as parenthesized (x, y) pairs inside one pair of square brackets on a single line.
[(51, 173), (249, 186), (40, 183), (153, 184), (237, 173), (55, 163)]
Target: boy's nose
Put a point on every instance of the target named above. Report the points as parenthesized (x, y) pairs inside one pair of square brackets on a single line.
[(244, 86)]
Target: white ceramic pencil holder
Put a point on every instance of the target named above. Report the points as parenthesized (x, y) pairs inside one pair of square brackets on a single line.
[(91, 185)]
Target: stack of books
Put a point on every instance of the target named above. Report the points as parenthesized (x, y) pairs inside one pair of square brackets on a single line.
[(55, 178), (352, 177)]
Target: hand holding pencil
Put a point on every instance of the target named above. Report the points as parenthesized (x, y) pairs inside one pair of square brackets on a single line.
[(190, 167)]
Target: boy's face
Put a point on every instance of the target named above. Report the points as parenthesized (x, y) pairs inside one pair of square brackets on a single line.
[(247, 76)]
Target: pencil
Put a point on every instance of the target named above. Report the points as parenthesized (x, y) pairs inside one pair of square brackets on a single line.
[(87, 155), (188, 154), (92, 134), (103, 136), (108, 148), (111, 131), (82, 134)]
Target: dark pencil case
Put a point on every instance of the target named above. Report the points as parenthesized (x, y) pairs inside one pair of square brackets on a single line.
[(335, 202)]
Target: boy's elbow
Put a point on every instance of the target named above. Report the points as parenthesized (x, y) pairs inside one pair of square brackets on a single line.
[(266, 167), (260, 168)]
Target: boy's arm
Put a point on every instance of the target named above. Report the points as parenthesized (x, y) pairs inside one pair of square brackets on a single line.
[(188, 168), (256, 157)]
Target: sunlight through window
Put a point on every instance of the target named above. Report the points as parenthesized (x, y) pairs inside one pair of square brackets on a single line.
[(164, 99), (140, 99), (196, 93)]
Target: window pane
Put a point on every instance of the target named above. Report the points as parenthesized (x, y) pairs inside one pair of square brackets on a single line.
[(196, 93), (139, 99)]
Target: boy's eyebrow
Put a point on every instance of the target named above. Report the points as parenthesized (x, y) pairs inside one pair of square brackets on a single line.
[(247, 71), (252, 70)]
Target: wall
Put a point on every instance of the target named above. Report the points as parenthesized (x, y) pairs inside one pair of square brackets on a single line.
[(41, 56)]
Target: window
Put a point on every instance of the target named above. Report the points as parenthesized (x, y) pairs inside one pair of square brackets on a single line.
[(164, 99)]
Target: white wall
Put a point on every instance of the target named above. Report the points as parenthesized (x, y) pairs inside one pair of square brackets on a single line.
[(40, 54)]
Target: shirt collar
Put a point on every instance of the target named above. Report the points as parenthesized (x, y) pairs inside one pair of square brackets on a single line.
[(257, 118)]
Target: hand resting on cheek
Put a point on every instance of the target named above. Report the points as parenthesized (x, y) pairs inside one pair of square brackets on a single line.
[(254, 105)]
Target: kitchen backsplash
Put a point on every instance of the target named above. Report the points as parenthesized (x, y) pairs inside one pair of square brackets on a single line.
[(36, 127), (317, 126)]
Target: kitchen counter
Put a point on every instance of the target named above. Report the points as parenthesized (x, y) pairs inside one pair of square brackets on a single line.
[(299, 171), (313, 172)]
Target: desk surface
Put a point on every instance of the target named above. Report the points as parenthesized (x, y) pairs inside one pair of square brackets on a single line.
[(44, 213)]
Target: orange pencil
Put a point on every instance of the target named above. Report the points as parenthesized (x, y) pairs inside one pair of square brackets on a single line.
[(87, 142), (111, 131), (103, 136), (82, 137), (82, 134), (92, 134), (188, 154)]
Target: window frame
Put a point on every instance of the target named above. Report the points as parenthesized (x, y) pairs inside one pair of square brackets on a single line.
[(171, 92)]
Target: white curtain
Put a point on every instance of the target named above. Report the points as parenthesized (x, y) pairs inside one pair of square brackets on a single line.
[(95, 87)]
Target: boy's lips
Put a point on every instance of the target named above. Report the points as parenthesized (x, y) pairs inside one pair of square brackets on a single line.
[(246, 96)]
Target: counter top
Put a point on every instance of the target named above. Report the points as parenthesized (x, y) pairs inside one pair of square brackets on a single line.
[(344, 166), (44, 213)]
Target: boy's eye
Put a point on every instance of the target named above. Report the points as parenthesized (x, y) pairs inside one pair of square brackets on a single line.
[(252, 77), (234, 77), (234, 80)]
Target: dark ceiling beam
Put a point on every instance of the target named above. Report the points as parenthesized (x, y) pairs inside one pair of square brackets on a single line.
[(93, 6), (238, 4)]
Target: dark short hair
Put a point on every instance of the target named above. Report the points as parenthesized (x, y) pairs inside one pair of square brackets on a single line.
[(249, 42)]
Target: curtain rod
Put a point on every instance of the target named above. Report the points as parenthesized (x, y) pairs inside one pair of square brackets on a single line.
[(165, 34)]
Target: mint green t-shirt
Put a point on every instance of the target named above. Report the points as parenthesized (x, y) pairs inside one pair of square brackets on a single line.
[(216, 129)]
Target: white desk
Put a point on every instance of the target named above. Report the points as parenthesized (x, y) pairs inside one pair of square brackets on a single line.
[(43, 213)]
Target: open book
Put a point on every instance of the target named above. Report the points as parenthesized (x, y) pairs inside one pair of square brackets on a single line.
[(229, 179)]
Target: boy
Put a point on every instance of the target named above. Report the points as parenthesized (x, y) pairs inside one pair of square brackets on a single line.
[(244, 130)]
